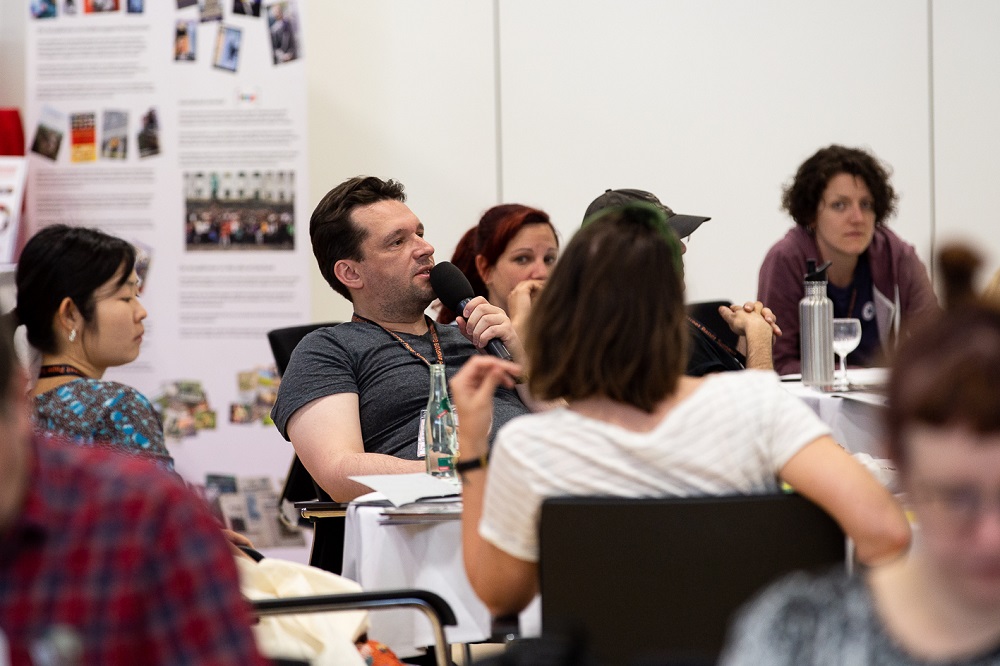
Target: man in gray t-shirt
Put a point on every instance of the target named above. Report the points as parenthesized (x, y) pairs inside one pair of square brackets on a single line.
[(351, 397), (391, 383)]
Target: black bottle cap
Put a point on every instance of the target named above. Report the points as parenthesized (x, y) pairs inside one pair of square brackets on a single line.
[(814, 274)]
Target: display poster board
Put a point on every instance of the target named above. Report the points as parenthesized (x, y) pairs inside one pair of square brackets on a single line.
[(181, 126)]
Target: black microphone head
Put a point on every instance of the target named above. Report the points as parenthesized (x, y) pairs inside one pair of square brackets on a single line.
[(451, 285)]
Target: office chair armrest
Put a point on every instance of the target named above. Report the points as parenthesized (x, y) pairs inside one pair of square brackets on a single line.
[(433, 606), (312, 509), (505, 628)]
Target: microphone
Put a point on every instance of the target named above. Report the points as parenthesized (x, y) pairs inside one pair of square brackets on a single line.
[(452, 287)]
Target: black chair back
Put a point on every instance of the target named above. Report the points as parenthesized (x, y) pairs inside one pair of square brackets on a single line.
[(284, 340), (299, 485), (328, 535), (659, 579), (707, 313)]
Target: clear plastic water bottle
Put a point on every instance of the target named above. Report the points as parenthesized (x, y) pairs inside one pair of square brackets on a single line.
[(441, 428), (816, 329)]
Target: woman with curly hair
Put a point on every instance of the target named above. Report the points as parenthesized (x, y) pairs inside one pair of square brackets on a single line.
[(840, 199)]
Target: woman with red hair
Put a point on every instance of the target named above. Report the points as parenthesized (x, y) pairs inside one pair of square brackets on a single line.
[(507, 258)]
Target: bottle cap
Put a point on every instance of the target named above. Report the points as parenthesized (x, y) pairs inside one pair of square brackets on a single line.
[(814, 274)]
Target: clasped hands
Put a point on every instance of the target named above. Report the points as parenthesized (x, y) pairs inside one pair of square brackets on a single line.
[(752, 321)]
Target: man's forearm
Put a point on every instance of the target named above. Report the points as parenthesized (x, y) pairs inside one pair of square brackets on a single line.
[(759, 351), (336, 482)]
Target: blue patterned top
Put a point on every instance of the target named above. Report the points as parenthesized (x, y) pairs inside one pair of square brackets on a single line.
[(92, 411)]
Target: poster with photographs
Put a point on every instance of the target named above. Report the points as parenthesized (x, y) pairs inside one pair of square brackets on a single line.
[(239, 210), (100, 6), (143, 263), (246, 7), (114, 135), (210, 10), (283, 24), (252, 510), (42, 9), (149, 135), (258, 391), (49, 133), (185, 40), (83, 137), (164, 123), (184, 409), (227, 48)]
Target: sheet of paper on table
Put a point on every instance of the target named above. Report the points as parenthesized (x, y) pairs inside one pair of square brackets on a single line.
[(402, 489)]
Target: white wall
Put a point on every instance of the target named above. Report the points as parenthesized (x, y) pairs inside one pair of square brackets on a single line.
[(712, 106), (13, 17), (403, 90), (967, 129)]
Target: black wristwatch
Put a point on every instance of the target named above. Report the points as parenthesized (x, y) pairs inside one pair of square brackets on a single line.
[(463, 466)]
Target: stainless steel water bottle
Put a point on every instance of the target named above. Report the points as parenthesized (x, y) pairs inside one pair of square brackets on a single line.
[(816, 329)]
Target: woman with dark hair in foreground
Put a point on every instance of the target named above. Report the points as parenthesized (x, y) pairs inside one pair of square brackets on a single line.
[(941, 604), (608, 336), (78, 298)]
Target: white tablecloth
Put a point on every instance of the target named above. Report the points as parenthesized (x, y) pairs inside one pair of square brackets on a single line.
[(854, 417), (426, 556)]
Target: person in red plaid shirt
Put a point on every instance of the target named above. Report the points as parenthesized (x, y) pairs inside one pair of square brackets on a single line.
[(105, 558)]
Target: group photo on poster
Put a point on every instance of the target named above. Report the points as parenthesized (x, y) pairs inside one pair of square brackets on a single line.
[(239, 210)]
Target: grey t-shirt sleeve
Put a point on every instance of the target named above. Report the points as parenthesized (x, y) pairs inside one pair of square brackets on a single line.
[(320, 366)]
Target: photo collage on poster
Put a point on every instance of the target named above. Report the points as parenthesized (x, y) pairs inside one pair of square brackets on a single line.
[(282, 25), (258, 390), (84, 140), (250, 506), (44, 9), (184, 409)]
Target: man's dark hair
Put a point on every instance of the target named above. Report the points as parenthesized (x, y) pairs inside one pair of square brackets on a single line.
[(611, 319), (62, 261), (334, 234), (801, 198)]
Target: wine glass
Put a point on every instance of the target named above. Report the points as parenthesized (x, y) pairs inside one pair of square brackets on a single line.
[(846, 338)]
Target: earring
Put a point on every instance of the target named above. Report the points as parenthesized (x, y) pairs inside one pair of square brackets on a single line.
[(72, 335)]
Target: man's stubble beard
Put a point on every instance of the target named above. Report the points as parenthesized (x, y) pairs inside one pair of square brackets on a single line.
[(410, 308)]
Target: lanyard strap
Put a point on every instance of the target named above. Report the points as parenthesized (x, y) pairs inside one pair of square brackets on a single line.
[(430, 325), (701, 327), (61, 370), (854, 298)]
